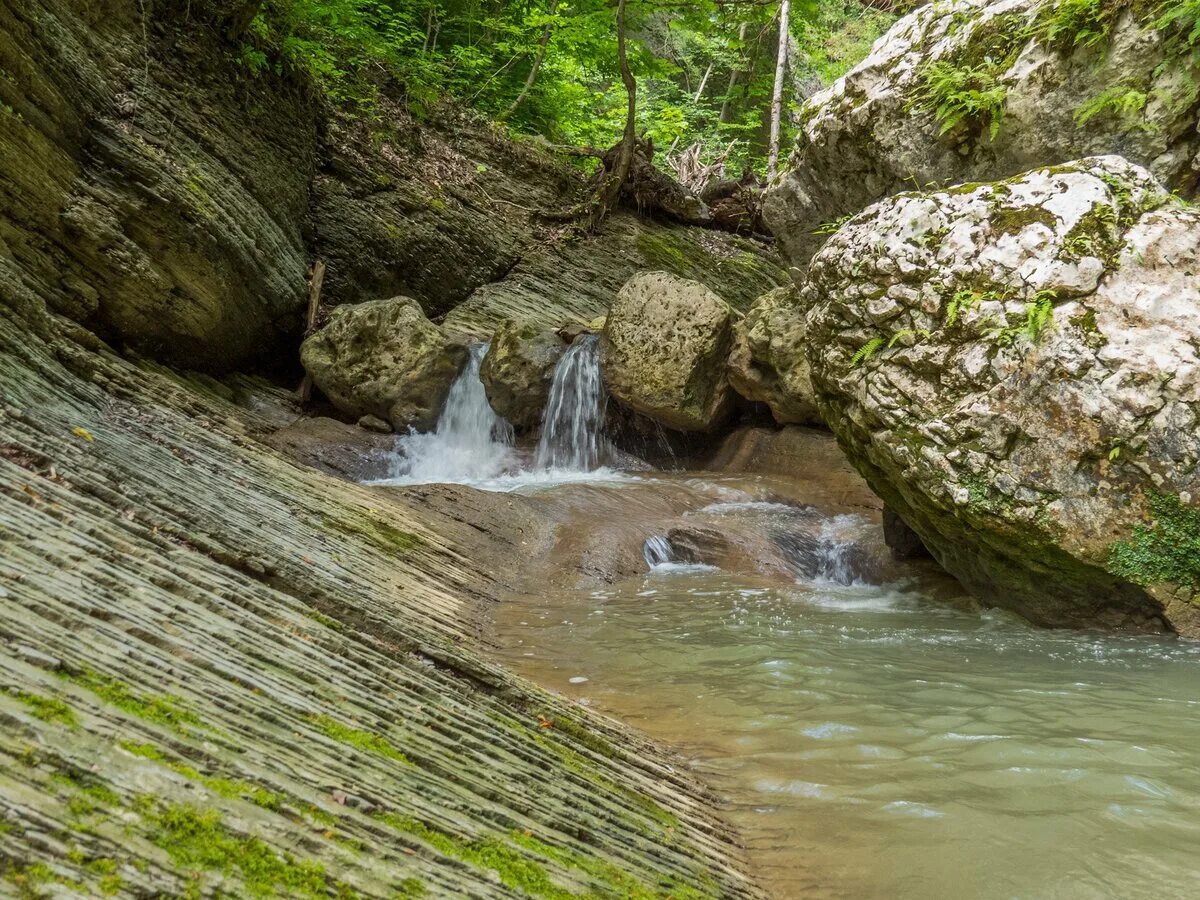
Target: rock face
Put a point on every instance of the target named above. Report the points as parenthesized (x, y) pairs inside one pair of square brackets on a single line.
[(517, 371), (767, 363), (566, 279), (215, 661), (151, 190), (1013, 368), (385, 359), (664, 348), (873, 133)]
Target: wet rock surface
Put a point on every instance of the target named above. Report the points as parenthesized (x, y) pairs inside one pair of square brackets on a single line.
[(1013, 369), (872, 133), (768, 364), (201, 640), (518, 369), (664, 350), (150, 191), (383, 358)]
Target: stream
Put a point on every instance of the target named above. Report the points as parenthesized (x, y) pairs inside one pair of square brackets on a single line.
[(874, 732)]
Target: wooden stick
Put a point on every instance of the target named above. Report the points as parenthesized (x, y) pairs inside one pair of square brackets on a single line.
[(314, 304)]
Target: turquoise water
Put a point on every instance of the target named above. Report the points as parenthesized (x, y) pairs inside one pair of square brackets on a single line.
[(873, 742)]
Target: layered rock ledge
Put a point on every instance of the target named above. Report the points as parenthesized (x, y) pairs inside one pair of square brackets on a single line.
[(220, 670)]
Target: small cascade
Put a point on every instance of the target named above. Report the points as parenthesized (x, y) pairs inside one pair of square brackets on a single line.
[(573, 424), (470, 442), (833, 554), (657, 551)]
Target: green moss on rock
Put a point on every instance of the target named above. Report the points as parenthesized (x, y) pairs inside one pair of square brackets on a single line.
[(1164, 550)]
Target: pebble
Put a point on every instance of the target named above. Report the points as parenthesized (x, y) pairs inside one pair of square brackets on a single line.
[(577, 679)]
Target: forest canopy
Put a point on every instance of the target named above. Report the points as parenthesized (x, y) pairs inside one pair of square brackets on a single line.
[(705, 69)]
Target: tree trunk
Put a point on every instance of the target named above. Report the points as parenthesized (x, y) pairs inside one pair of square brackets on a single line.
[(537, 64), (703, 83), (727, 105), (777, 92), (612, 184)]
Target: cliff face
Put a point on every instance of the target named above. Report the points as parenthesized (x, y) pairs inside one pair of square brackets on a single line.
[(172, 200), (152, 191)]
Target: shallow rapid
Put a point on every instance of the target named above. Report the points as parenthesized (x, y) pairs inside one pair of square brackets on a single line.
[(873, 742)]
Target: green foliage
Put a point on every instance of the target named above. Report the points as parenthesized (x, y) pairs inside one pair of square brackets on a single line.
[(704, 69), (1068, 24), (833, 226), (964, 88), (970, 95), (867, 350), (363, 740), (49, 709), (197, 840), (163, 709), (1164, 550), (1182, 19), (1039, 314), (1121, 102)]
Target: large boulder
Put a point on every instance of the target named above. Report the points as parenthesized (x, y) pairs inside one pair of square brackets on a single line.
[(767, 363), (384, 358), (517, 371), (1047, 88), (663, 351), (1013, 368)]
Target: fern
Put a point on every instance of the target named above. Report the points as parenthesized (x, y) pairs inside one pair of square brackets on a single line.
[(1123, 103), (866, 351), (956, 95), (1181, 17), (1079, 23), (907, 332), (1039, 314), (834, 226)]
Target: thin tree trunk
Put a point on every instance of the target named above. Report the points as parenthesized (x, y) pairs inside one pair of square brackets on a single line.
[(616, 178), (310, 324), (703, 82), (735, 73), (777, 92), (537, 64)]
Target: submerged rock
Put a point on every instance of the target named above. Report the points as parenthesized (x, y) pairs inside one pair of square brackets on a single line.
[(1041, 99), (664, 349), (1013, 368), (518, 369), (767, 363), (384, 358)]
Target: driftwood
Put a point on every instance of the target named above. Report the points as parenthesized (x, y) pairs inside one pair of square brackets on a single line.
[(310, 325), (702, 196)]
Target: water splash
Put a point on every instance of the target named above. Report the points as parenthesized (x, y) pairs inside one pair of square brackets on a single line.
[(657, 551), (573, 424), (470, 443)]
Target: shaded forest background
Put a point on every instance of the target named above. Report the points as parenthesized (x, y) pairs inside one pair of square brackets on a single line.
[(705, 69)]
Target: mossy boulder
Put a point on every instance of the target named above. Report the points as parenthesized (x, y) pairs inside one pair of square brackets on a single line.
[(517, 371), (664, 349), (1036, 98), (767, 363), (384, 358), (1027, 399)]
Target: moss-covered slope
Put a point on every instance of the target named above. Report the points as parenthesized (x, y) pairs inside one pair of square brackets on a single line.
[(222, 671)]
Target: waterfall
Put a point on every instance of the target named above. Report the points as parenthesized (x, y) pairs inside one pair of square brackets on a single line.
[(470, 442), (657, 551), (572, 425)]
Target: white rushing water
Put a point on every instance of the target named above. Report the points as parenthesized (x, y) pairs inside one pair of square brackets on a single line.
[(473, 445), (573, 423), (470, 443)]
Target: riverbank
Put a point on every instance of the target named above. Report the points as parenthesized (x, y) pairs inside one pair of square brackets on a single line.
[(224, 670)]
